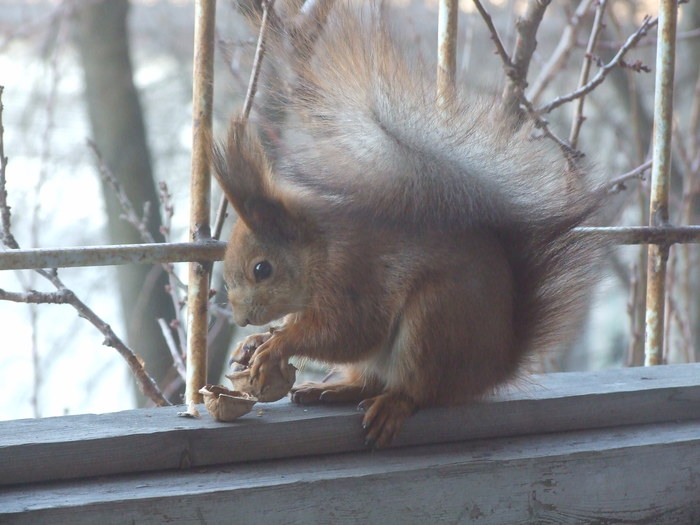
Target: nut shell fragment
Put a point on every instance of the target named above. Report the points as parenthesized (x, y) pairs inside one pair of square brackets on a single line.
[(224, 404), (277, 384)]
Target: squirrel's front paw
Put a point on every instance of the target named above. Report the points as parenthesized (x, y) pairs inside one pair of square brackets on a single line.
[(385, 415), (261, 365), (245, 349)]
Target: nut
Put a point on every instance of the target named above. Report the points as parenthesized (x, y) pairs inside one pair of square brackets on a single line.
[(224, 404), (276, 386)]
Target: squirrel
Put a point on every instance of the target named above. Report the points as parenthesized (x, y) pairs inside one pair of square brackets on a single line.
[(426, 249)]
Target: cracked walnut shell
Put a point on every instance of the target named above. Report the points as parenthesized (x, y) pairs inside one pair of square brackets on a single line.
[(224, 404)]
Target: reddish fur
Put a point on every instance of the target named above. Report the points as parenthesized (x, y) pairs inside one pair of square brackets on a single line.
[(429, 252)]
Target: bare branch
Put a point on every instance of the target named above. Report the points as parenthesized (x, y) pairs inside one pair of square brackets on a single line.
[(500, 50), (140, 224), (130, 214), (647, 24), (7, 237), (66, 296), (174, 282), (146, 383), (267, 6), (578, 119), (570, 153), (561, 53), (525, 44), (172, 346), (648, 42), (618, 183), (34, 297)]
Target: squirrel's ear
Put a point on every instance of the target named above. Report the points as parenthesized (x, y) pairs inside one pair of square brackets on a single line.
[(241, 167), (245, 175)]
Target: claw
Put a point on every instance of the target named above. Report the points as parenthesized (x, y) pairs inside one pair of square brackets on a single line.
[(385, 415), (364, 405)]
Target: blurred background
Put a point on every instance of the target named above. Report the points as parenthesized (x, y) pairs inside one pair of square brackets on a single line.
[(119, 73)]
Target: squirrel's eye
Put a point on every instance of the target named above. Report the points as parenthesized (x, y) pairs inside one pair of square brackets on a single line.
[(262, 271)]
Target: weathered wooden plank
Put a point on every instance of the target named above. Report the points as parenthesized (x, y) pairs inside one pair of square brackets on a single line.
[(646, 474), (156, 439)]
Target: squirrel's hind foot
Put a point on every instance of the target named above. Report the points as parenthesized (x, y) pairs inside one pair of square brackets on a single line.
[(385, 415), (337, 392)]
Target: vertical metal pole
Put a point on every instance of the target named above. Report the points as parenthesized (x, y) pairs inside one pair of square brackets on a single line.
[(200, 188), (447, 48), (658, 211)]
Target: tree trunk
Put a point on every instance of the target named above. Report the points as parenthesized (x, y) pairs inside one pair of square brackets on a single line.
[(118, 130)]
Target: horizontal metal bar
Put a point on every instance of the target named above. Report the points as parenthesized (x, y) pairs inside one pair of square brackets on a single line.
[(115, 254), (645, 234), (214, 250)]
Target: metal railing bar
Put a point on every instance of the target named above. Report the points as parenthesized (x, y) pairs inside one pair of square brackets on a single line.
[(448, 11), (30, 259), (660, 185), (200, 195), (212, 250), (652, 235)]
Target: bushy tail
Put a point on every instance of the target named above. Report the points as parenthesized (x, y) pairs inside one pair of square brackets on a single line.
[(366, 132)]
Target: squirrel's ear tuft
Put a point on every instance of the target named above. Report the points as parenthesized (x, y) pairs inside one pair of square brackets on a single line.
[(245, 175), (241, 166)]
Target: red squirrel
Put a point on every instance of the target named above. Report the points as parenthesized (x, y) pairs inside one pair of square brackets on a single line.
[(426, 249)]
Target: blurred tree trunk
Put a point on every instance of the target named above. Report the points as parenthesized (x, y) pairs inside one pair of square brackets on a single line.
[(118, 130)]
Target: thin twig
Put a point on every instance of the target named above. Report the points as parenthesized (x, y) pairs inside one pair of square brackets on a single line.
[(561, 53), (525, 45), (67, 296), (140, 224), (130, 215), (267, 6), (570, 153), (618, 183), (172, 346), (649, 42), (174, 282), (647, 24), (34, 297), (500, 50), (168, 213), (578, 119), (7, 237)]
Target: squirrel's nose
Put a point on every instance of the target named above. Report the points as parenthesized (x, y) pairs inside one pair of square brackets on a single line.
[(240, 320)]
